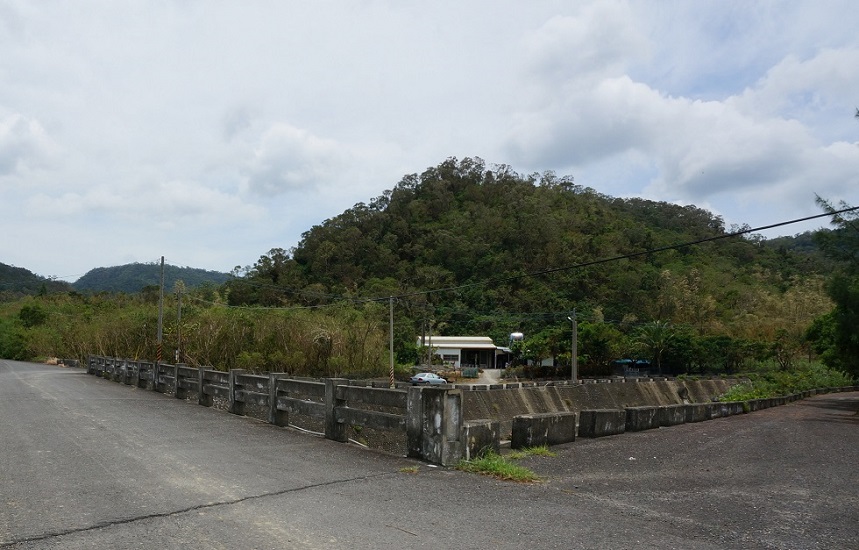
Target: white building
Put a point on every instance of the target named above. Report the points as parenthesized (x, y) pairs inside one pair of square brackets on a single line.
[(459, 351)]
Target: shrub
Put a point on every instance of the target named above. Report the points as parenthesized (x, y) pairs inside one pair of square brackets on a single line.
[(774, 383)]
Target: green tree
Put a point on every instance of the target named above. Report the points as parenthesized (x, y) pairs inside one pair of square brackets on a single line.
[(599, 343), (656, 338), (32, 316), (837, 337)]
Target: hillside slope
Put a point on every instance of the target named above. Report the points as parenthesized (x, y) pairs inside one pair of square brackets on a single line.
[(134, 277), (518, 248), (17, 281)]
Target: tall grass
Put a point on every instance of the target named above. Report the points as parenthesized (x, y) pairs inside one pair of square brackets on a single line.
[(769, 382)]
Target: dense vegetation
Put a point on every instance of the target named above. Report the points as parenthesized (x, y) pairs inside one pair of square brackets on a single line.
[(16, 282), (466, 249)]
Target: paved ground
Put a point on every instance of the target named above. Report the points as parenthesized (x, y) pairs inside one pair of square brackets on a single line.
[(487, 376), (87, 463)]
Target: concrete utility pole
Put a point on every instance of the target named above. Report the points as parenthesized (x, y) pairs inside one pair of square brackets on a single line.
[(429, 345), (160, 314), (574, 348), (391, 331), (179, 326)]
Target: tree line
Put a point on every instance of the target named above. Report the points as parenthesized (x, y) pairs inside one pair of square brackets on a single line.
[(469, 249)]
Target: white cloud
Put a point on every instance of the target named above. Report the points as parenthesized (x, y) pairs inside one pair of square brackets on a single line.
[(292, 159), (166, 204), (24, 145), (603, 38), (133, 123), (769, 138)]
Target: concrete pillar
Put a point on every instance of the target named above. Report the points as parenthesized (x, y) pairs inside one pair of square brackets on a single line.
[(434, 425), (414, 422), (156, 377), (203, 398), (236, 406), (178, 380), (126, 372), (144, 374), (334, 430), (275, 415), (113, 371), (134, 373)]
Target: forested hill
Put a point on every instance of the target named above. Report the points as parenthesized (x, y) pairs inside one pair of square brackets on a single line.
[(463, 223), (131, 278), (17, 281)]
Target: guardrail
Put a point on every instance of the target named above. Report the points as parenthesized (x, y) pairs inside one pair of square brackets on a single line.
[(430, 417)]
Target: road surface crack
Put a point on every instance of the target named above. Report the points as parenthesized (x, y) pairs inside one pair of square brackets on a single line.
[(181, 511)]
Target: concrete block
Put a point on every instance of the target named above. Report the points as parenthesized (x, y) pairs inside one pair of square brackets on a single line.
[(734, 407), (641, 418), (479, 436), (671, 415), (534, 430), (698, 412), (602, 422)]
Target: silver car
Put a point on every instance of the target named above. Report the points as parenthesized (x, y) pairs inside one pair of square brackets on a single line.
[(426, 378)]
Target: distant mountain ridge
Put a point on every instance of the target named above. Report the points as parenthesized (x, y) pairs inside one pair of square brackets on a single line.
[(17, 281), (130, 278)]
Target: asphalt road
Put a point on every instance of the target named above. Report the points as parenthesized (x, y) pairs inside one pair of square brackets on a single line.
[(88, 463)]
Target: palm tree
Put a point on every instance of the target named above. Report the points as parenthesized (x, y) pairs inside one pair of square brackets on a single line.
[(656, 338)]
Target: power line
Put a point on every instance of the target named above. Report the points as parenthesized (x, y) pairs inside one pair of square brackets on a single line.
[(510, 278), (625, 256)]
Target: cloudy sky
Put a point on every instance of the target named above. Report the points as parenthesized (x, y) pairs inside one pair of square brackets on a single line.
[(210, 132)]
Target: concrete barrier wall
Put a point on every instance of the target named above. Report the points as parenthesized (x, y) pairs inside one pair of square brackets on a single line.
[(444, 424), (480, 436), (602, 422), (504, 405), (536, 430), (641, 418), (671, 415)]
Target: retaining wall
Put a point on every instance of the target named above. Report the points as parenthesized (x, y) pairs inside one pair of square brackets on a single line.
[(505, 404)]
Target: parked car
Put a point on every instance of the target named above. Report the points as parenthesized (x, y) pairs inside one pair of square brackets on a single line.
[(427, 378)]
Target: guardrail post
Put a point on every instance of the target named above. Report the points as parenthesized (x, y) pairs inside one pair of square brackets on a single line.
[(123, 370), (111, 369), (178, 379), (414, 422), (157, 384), (333, 429), (143, 372), (434, 424), (202, 397), (134, 373), (236, 406), (275, 416)]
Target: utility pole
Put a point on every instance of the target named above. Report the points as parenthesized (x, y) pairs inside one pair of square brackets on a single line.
[(429, 345), (574, 348), (179, 326), (391, 331), (160, 314)]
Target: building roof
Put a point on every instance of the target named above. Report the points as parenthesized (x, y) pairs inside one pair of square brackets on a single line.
[(459, 342)]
